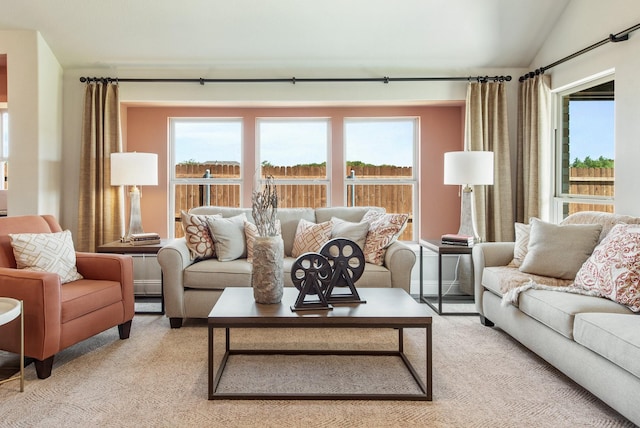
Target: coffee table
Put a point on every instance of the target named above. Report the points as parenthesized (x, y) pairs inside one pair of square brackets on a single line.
[(385, 308)]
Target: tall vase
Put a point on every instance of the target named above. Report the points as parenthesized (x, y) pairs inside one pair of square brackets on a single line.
[(268, 271)]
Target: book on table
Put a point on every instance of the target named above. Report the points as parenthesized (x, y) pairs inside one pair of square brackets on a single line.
[(144, 238), (457, 239)]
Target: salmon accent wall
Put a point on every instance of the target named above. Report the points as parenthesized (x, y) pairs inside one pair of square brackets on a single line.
[(146, 129)]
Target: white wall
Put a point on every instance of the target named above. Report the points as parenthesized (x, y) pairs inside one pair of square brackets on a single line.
[(35, 126), (586, 22)]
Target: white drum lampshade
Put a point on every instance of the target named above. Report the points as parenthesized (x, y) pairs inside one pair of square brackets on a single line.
[(134, 169)]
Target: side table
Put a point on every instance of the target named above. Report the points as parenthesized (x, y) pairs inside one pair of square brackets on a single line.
[(147, 253), (436, 246), (11, 309)]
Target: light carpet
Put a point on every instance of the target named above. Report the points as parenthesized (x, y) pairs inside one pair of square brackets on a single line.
[(158, 378)]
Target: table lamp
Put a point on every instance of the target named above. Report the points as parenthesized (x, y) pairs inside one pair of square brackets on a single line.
[(468, 168), (134, 169)]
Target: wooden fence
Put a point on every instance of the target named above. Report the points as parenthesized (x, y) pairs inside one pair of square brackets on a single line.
[(395, 198), (593, 182)]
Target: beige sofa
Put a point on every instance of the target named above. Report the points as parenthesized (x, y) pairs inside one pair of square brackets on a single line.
[(593, 340), (191, 288)]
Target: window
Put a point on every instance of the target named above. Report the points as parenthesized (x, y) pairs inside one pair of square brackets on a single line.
[(206, 158), (380, 167), (585, 171), (294, 152)]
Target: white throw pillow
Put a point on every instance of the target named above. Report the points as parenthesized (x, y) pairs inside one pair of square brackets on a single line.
[(228, 237), (46, 252), (357, 232), (559, 251), (310, 237)]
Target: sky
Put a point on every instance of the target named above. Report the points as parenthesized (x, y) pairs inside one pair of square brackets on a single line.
[(292, 142), (591, 129)]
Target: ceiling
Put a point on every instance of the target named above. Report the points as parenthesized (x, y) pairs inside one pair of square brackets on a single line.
[(304, 34)]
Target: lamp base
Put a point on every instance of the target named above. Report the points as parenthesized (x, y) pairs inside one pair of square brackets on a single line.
[(467, 215), (135, 217)]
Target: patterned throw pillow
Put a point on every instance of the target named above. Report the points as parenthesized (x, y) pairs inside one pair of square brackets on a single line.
[(613, 269), (384, 229), (251, 233), (310, 237), (198, 236), (522, 243), (46, 252)]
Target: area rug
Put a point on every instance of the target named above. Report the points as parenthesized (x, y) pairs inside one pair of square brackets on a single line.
[(158, 378)]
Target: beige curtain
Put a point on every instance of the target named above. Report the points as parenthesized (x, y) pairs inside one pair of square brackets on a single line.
[(486, 129), (533, 133), (100, 209)]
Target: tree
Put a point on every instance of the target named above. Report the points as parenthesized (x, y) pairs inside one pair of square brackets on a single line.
[(601, 162)]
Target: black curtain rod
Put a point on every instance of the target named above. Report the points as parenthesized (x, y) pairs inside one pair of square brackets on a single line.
[(613, 38), (295, 80)]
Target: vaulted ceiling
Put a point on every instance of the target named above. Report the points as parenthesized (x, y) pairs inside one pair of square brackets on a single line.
[(426, 35)]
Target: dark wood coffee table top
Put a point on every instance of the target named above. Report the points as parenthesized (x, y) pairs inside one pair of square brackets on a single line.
[(384, 307)]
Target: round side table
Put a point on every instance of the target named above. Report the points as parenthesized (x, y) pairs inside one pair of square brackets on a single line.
[(11, 309)]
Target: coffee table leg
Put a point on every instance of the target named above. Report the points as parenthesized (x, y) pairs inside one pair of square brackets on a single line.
[(210, 362)]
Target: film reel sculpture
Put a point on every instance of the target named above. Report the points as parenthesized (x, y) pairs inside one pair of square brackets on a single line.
[(339, 264)]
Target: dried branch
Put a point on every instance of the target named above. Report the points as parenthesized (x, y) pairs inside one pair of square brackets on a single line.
[(265, 207)]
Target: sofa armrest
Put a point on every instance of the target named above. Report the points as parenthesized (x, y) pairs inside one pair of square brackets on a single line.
[(42, 300), (399, 259), (488, 254), (174, 258)]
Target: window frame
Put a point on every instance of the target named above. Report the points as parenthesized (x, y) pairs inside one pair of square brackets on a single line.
[(413, 181), (561, 198), (293, 182), (174, 181)]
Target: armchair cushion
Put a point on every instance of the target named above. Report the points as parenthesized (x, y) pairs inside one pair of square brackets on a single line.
[(46, 252)]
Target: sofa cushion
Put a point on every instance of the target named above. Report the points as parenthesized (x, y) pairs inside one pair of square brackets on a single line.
[(352, 214), (559, 251), (501, 279), (614, 336), (384, 230), (557, 309), (289, 219), (197, 235), (613, 270), (228, 237), (46, 252), (606, 220), (310, 237), (214, 274)]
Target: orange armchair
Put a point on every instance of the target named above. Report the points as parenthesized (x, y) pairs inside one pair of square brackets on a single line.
[(57, 315)]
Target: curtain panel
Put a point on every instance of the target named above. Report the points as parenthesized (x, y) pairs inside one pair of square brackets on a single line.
[(533, 136), (486, 129), (101, 206)]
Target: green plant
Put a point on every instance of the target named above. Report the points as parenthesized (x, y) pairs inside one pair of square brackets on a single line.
[(601, 162)]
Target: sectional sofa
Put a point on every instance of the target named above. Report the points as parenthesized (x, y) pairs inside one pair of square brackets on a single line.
[(193, 285), (566, 319)]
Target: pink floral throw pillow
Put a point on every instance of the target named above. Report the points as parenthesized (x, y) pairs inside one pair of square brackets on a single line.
[(613, 270), (384, 229), (198, 236)]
